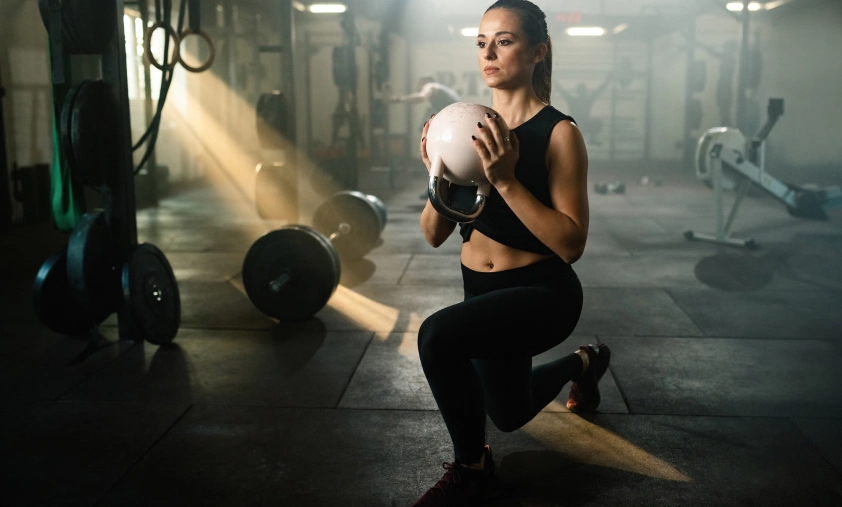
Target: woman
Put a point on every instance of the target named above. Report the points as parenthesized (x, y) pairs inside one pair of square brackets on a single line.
[(521, 294)]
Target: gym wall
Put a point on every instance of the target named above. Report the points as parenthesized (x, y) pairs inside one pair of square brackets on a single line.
[(24, 64), (800, 63)]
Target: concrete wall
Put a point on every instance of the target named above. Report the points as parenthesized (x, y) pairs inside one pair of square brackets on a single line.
[(24, 69)]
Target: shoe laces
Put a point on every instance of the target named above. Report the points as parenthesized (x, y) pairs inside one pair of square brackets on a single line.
[(450, 477)]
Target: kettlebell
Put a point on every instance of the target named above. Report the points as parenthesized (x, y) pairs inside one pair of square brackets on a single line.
[(454, 158)]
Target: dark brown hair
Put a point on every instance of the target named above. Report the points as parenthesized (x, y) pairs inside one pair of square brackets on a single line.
[(534, 24)]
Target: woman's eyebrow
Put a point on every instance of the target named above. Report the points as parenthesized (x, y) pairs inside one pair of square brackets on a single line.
[(482, 35)]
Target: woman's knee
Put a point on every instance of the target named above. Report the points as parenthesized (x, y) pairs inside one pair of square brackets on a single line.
[(506, 423), (432, 338)]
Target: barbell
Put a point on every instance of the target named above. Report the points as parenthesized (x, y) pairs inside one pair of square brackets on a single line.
[(291, 273)]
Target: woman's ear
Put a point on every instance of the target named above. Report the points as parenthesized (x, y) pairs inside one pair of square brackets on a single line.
[(540, 53)]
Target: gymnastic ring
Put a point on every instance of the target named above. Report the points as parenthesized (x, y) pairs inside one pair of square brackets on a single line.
[(147, 40), (203, 34)]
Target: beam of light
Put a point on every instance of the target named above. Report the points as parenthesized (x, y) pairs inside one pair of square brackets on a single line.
[(584, 442), (620, 28), (299, 6), (363, 312), (229, 145), (738, 6), (585, 31), (470, 32), (327, 8)]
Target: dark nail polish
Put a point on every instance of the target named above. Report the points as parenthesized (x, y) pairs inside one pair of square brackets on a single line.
[(423, 139), (496, 115), (487, 115), (432, 115), (474, 138), (479, 124)]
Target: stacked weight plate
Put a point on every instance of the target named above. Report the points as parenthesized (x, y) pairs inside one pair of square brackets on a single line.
[(101, 270)]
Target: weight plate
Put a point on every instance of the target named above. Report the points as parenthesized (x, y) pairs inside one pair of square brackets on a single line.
[(150, 293), (66, 130), (94, 132), (87, 25), (380, 208), (274, 184), (92, 266), (54, 303), (303, 255), (349, 210), (273, 115)]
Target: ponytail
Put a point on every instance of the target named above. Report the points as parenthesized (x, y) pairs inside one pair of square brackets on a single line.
[(542, 78)]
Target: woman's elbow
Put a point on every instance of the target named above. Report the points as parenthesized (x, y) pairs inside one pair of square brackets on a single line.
[(571, 254), (432, 240)]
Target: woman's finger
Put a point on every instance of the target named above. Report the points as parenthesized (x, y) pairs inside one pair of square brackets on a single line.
[(515, 143), (482, 149), (496, 131), (484, 135)]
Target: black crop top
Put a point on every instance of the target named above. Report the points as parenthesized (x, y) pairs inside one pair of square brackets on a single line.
[(497, 220)]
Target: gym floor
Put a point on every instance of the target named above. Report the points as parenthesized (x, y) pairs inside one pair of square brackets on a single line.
[(725, 386)]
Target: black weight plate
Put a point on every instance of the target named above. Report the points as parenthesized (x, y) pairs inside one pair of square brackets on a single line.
[(274, 184), (354, 209), (87, 25), (309, 260), (273, 115), (66, 130), (54, 303), (94, 132), (92, 266), (150, 293), (380, 208)]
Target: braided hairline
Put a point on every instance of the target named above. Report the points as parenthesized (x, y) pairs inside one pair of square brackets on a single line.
[(530, 10)]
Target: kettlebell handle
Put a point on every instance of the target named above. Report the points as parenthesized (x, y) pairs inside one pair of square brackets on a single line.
[(454, 215)]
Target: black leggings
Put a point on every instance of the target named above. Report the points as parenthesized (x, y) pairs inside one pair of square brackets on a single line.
[(477, 354)]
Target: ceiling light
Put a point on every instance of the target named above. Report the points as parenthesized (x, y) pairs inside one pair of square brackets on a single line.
[(470, 32), (775, 4), (327, 8), (738, 6), (585, 31)]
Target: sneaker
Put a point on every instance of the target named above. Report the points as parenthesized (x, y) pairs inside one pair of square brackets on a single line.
[(584, 393), (460, 485)]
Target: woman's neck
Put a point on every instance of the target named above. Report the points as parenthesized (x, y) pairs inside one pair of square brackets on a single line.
[(515, 106)]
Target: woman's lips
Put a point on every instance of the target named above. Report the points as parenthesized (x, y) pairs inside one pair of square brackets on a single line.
[(490, 70)]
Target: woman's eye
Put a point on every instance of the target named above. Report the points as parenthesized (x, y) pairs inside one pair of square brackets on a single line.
[(503, 42), (480, 44)]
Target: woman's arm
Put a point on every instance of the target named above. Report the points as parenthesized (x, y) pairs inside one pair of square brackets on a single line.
[(415, 98), (436, 228), (564, 227)]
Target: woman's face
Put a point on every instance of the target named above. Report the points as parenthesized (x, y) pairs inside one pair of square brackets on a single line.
[(506, 59)]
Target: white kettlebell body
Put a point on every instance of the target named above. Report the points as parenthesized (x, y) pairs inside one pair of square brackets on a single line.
[(454, 158)]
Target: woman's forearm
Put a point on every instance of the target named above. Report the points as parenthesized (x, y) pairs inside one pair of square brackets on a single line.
[(436, 228), (553, 228)]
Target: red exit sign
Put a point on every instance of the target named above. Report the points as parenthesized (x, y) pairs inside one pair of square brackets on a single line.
[(570, 18)]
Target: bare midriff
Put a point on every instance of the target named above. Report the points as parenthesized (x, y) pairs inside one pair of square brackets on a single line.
[(483, 254)]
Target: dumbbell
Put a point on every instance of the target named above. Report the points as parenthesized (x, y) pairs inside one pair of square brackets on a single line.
[(290, 273), (616, 187)]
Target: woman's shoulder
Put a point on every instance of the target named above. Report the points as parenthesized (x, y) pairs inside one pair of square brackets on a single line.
[(556, 115)]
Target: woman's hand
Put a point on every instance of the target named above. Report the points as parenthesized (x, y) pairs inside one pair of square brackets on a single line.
[(424, 156), (499, 150)]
